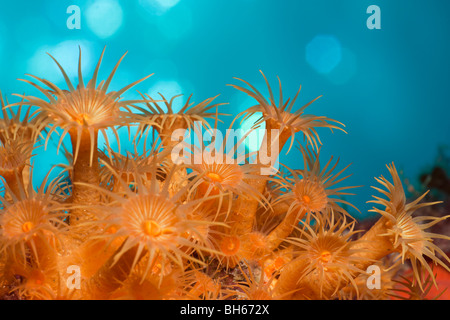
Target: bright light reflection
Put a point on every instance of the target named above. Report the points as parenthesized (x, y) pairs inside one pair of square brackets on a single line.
[(324, 53)]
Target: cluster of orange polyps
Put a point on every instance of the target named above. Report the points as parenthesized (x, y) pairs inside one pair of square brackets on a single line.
[(143, 226)]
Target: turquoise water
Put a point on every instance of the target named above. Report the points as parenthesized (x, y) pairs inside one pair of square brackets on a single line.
[(389, 86)]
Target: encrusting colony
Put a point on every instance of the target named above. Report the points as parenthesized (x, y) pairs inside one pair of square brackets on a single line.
[(151, 225)]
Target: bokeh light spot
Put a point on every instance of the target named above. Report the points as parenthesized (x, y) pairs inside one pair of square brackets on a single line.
[(324, 53), (104, 17), (158, 7)]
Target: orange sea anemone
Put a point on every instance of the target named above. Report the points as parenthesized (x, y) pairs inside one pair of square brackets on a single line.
[(219, 174), (152, 222), (19, 132), (83, 112), (15, 155), (311, 189), (15, 124), (87, 107), (324, 260), (409, 234), (279, 115), (32, 220)]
